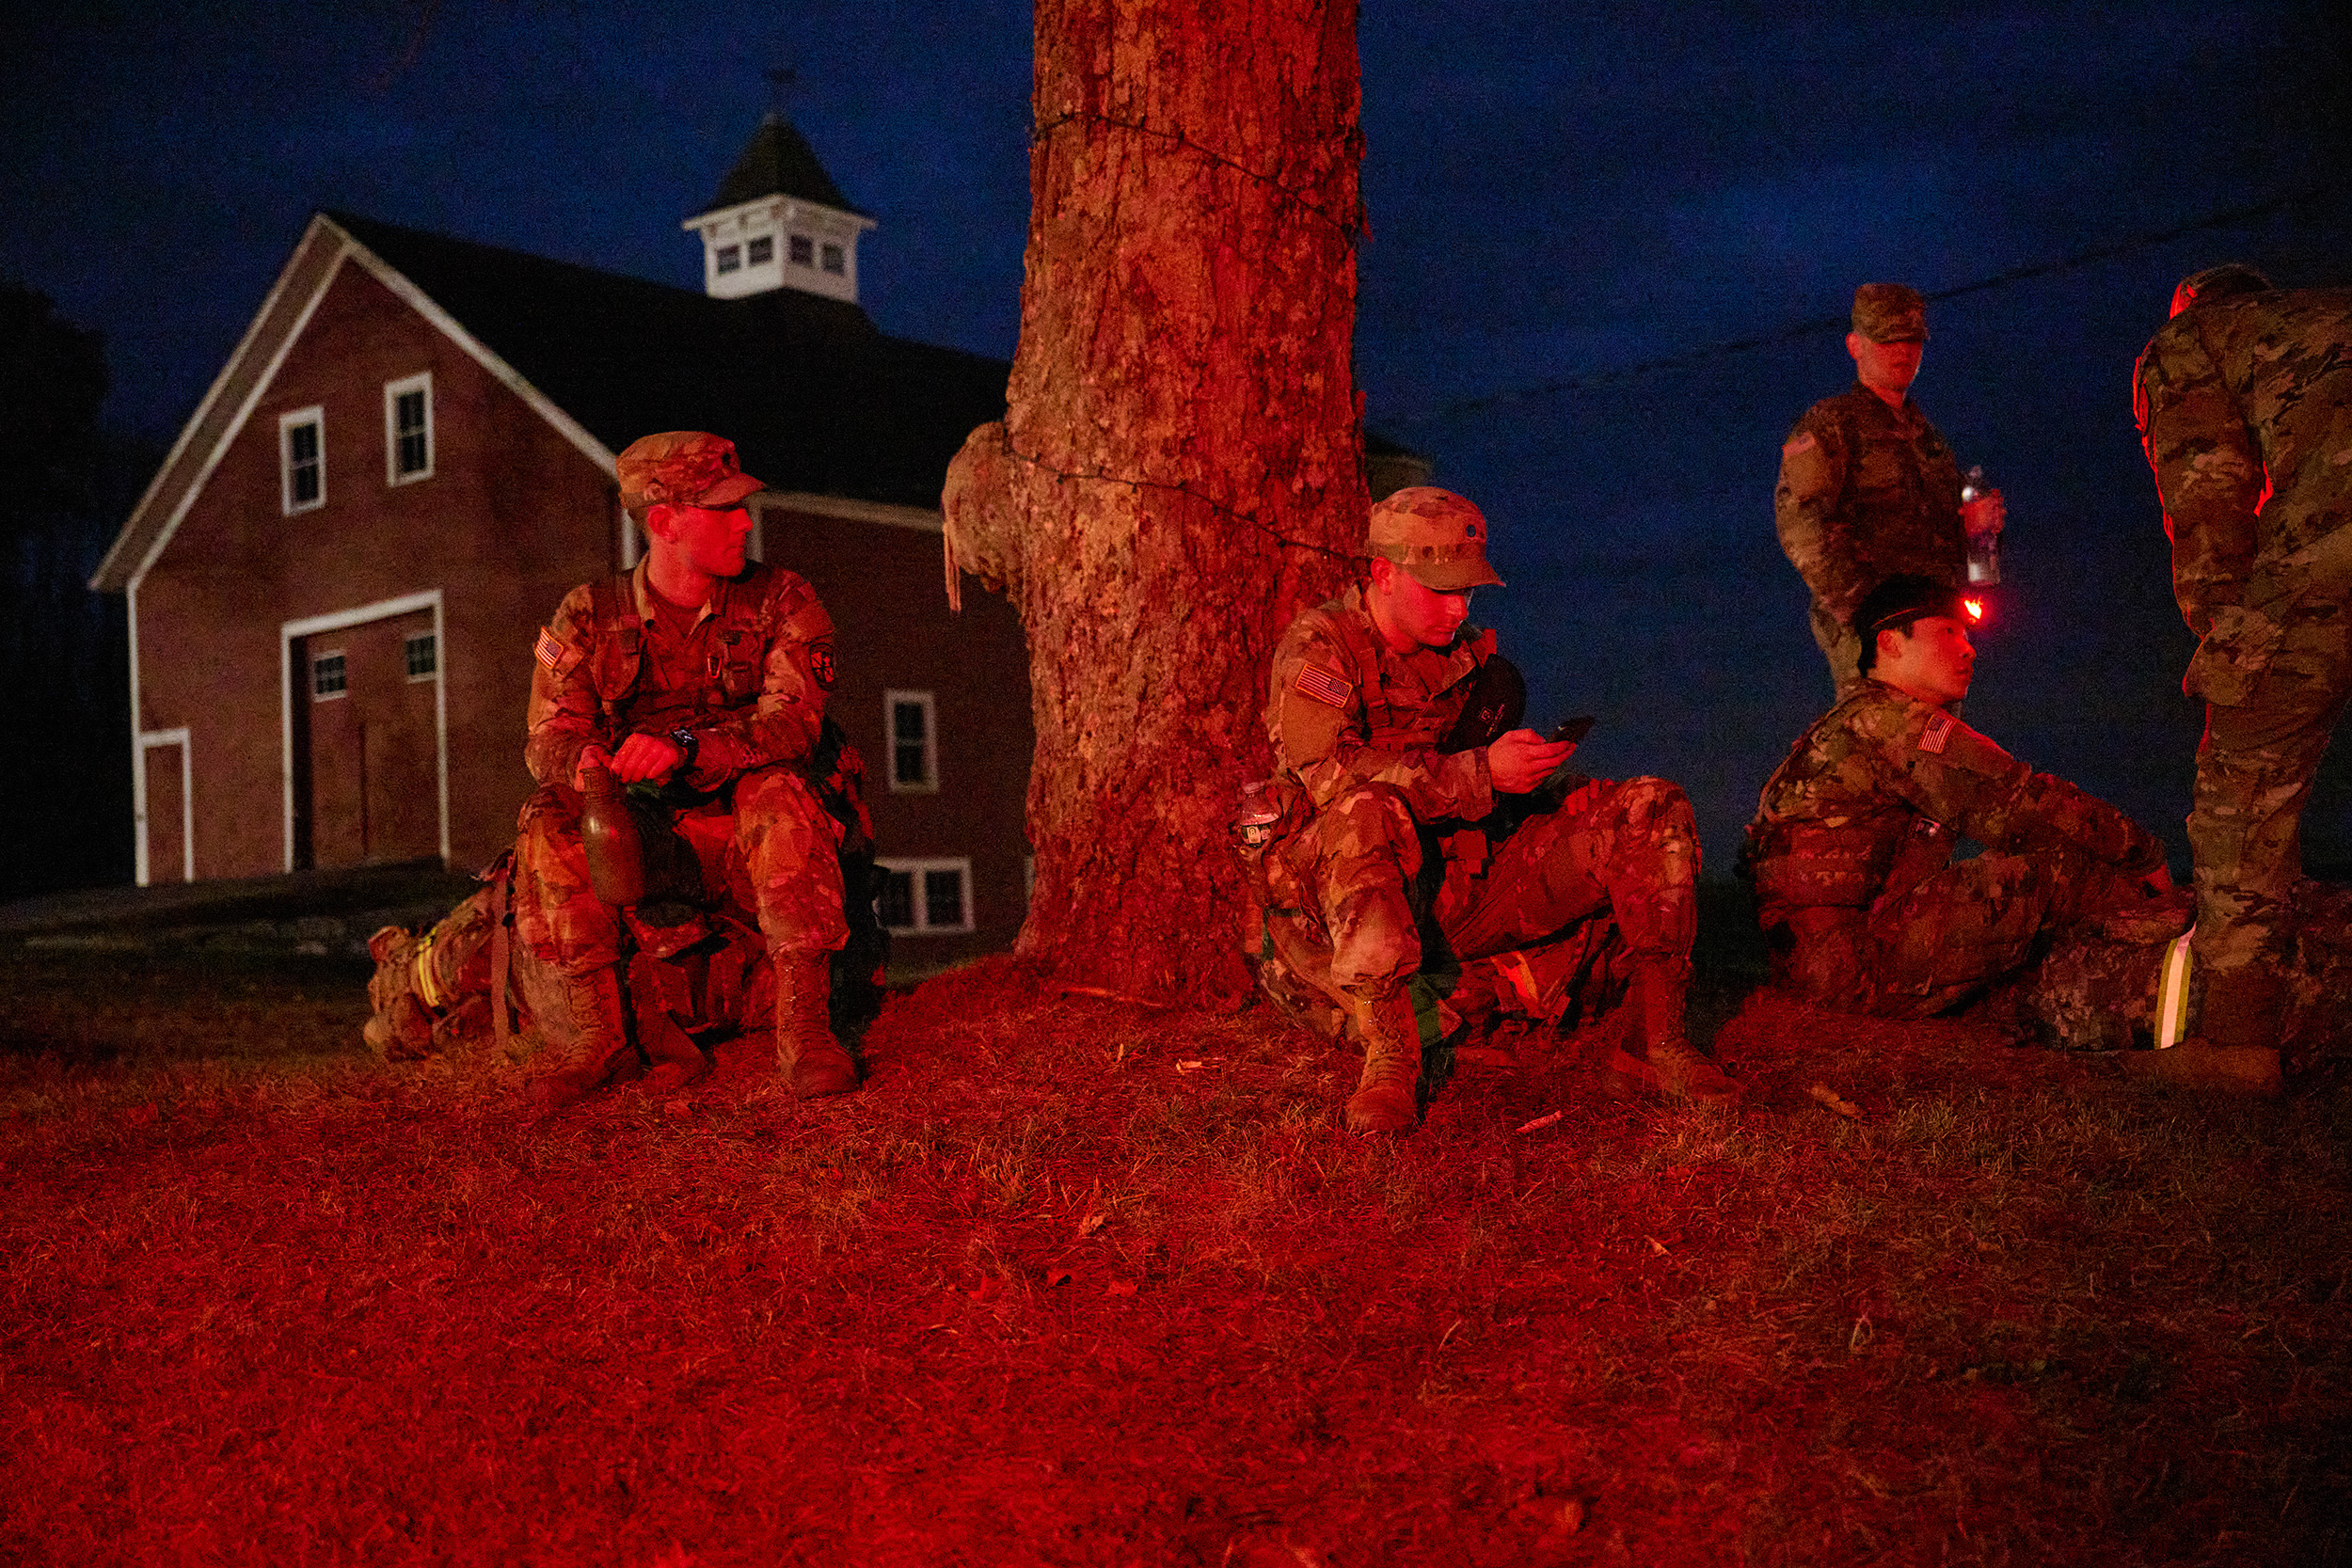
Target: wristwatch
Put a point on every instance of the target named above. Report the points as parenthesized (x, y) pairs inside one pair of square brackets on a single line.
[(683, 738)]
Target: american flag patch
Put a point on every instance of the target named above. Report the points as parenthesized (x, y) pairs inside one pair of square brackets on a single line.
[(1323, 686), (1938, 733), (551, 652)]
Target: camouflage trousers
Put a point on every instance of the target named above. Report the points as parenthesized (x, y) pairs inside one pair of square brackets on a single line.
[(2082, 940), (1363, 893), (1842, 647), (2254, 771), (766, 844)]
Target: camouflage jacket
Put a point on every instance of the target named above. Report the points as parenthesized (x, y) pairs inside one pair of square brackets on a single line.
[(1866, 491), (1874, 796), (2245, 409), (1344, 709), (768, 670)]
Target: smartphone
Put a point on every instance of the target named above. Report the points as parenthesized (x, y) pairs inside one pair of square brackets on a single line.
[(1575, 729)]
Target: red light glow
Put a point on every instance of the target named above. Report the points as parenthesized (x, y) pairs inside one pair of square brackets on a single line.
[(1974, 608)]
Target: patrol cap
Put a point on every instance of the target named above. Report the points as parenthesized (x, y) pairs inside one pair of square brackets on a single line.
[(1899, 600), (2230, 277), (1436, 535), (682, 468), (1890, 313)]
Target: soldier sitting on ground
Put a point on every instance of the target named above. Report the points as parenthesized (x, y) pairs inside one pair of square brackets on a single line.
[(699, 683), (1850, 852), (1387, 855)]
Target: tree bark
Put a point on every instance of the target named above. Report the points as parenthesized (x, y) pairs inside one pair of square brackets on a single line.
[(1180, 468)]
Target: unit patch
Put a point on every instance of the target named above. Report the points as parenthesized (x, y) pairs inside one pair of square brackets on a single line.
[(820, 664), (1323, 686), (1938, 734)]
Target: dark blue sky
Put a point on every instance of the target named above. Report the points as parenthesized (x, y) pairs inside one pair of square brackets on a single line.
[(1554, 190)]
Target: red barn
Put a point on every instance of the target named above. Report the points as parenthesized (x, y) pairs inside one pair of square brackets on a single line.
[(336, 578)]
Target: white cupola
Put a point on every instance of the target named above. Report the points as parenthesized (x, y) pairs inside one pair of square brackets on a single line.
[(780, 222)]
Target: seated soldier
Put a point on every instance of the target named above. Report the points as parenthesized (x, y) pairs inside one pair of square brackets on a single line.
[(703, 681), (1387, 852), (1850, 851)]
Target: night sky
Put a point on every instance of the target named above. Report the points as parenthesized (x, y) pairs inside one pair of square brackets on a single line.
[(1558, 195)]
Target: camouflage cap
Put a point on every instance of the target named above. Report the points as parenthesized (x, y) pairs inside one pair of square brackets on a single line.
[(1904, 598), (1436, 535), (1890, 313), (682, 468), (2230, 277)]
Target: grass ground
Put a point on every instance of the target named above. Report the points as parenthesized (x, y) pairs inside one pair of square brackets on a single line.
[(1071, 1283)]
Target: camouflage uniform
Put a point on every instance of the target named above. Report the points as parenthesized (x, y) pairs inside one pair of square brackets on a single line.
[(749, 682), (1387, 846), (2245, 408), (1866, 492), (1864, 910)]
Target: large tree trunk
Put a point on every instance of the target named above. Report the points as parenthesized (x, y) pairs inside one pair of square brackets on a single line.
[(1179, 471)]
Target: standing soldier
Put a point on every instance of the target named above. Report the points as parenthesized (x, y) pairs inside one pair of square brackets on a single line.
[(706, 679), (1867, 488), (2245, 405), (1850, 851), (1384, 843)]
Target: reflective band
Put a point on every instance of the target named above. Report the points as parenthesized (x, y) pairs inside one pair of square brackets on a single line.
[(2172, 994), (422, 966)]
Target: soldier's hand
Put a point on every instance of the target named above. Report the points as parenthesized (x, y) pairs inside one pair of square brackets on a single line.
[(1523, 759), (590, 755), (1984, 515), (646, 756)]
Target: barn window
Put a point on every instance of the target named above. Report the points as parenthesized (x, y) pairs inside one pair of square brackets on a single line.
[(730, 259), (913, 747), (328, 678), (836, 262), (804, 250), (302, 459), (423, 655), (408, 428), (760, 252), (924, 897)]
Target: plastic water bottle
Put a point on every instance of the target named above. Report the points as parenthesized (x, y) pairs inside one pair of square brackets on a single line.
[(1984, 549)]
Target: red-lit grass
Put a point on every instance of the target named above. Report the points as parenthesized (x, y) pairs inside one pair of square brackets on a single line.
[(1040, 1293)]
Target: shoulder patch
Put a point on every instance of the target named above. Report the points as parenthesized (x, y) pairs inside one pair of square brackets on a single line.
[(1803, 444), (1323, 686), (1938, 734), (550, 652)]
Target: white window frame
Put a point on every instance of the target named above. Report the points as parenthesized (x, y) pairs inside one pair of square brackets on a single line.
[(343, 664), (961, 865), (393, 393), (929, 783), (408, 641), (801, 249), (287, 424)]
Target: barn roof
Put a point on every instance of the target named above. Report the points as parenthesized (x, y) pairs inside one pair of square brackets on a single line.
[(779, 162), (817, 397)]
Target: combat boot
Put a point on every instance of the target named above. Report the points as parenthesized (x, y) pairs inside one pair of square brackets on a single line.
[(1669, 1067), (600, 1045), (2235, 1048), (807, 1053), (1385, 1101)]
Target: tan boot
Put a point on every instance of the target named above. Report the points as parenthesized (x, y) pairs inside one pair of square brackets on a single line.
[(1385, 1101), (600, 1043), (2235, 1048), (806, 1052), (1670, 1066)]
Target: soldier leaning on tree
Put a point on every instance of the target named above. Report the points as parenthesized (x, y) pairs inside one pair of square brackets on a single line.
[(1867, 488), (2245, 405), (1851, 854), (1389, 854), (702, 681)]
